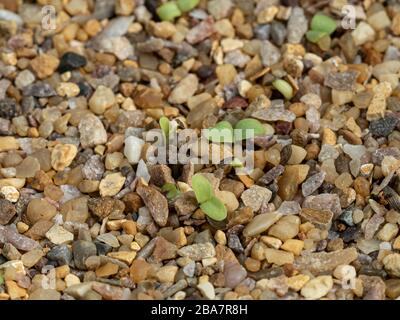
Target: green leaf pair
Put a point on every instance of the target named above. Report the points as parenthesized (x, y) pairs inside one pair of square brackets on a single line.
[(210, 204), (244, 129), (321, 26), (171, 9), (171, 189)]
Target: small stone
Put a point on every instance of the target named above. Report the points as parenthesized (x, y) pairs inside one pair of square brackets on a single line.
[(167, 274), (164, 250), (261, 223), (297, 25), (31, 258), (24, 79), (111, 184), (392, 264), (62, 156), (392, 288), (109, 239), (8, 143), (27, 168), (58, 235), (226, 73), (102, 99), (207, 290), (107, 270), (313, 183), (184, 90), (320, 218), (270, 54), (201, 31), (124, 256), (286, 228), (68, 89), (198, 251), (363, 33), (323, 261), (44, 65), (155, 202), (317, 288), (133, 148), (81, 250), (14, 291), (293, 245), (7, 211), (297, 282), (255, 196), (70, 61), (71, 280), (40, 209), (91, 131), (44, 294), (278, 257), (324, 201), (62, 254), (377, 106)]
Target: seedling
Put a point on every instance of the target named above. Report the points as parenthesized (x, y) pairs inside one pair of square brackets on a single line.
[(244, 129), (211, 205), (172, 191), (165, 127)]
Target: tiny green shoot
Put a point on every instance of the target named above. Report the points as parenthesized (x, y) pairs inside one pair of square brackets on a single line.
[(165, 126), (323, 23), (211, 205), (171, 189), (249, 128), (187, 5), (168, 11), (283, 87)]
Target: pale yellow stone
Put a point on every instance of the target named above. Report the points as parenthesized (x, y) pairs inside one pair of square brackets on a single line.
[(377, 106), (167, 274), (297, 282), (62, 156), (293, 245), (124, 256), (8, 143), (328, 136), (111, 184), (271, 242), (278, 257), (17, 183)]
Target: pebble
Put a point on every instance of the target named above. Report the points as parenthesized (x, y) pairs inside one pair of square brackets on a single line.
[(58, 235), (133, 148), (40, 209), (297, 25), (255, 196), (61, 253), (44, 294), (62, 156), (7, 210), (198, 251), (286, 228), (70, 61), (111, 184), (44, 65), (81, 250), (207, 290), (392, 264), (270, 54), (101, 100), (155, 202), (185, 89), (24, 79), (92, 132), (261, 223), (31, 258), (317, 288)]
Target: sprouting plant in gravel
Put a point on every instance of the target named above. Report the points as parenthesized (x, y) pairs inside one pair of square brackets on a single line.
[(284, 88), (168, 11), (322, 27), (244, 129), (172, 191), (165, 127), (210, 204), (1, 280)]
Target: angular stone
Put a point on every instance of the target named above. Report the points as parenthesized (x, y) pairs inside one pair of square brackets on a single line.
[(198, 251), (155, 202), (325, 261), (320, 218), (261, 223)]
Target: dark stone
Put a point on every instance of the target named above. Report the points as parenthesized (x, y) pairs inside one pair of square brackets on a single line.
[(278, 33), (383, 127), (102, 248), (8, 108), (85, 89), (82, 250), (205, 72), (70, 61), (262, 31), (39, 89), (62, 254)]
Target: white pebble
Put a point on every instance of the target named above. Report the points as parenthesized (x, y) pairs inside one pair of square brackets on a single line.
[(10, 193), (133, 149)]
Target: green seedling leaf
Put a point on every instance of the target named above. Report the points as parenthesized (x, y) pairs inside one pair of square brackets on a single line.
[(164, 124), (214, 208), (168, 11), (172, 190), (236, 163), (202, 188), (1, 280), (283, 87), (222, 132), (314, 36), (323, 23), (187, 5), (248, 128)]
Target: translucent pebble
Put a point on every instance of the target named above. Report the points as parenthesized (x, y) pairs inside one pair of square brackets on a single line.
[(70, 192), (289, 207), (354, 151), (327, 152), (313, 117)]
